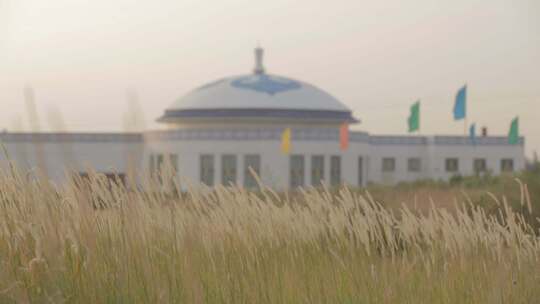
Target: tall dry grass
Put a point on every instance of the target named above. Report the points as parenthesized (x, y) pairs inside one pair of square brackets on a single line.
[(90, 241)]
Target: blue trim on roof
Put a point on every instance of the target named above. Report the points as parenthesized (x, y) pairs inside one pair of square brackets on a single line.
[(263, 83), (397, 140), (479, 140), (260, 113), (109, 137), (310, 134), (321, 134)]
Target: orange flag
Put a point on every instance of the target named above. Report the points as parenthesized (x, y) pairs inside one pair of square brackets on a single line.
[(344, 136)]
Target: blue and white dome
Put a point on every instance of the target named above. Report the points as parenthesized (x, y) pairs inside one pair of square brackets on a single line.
[(258, 95)]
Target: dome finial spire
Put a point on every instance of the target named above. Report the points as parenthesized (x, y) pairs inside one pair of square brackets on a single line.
[(259, 52)]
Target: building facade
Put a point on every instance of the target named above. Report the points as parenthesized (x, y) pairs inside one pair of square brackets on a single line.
[(223, 130)]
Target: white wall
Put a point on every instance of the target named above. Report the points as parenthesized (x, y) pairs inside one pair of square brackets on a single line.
[(401, 154), (275, 165), (466, 155), (106, 157)]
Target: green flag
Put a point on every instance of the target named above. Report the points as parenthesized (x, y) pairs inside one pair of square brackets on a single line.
[(414, 118), (513, 134)]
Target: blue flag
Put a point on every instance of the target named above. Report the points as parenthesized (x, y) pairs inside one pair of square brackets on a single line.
[(472, 133), (460, 107)]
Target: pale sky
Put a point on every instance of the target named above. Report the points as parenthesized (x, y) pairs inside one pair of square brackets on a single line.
[(377, 57)]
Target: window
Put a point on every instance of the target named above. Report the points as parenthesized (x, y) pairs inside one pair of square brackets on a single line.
[(360, 171), (156, 170), (252, 161), (335, 170), (317, 170), (414, 164), (296, 171), (152, 165), (479, 165), (207, 169), (452, 165), (168, 170), (168, 163), (228, 169), (174, 162), (507, 165), (388, 164), (159, 162)]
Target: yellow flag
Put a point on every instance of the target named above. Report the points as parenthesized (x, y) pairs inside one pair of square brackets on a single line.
[(286, 141)]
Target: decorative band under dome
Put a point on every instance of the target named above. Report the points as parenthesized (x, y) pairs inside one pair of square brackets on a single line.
[(342, 116)]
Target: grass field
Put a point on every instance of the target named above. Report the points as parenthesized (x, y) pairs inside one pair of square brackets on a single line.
[(92, 242)]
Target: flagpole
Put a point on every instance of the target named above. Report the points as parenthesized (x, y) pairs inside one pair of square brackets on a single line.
[(419, 121)]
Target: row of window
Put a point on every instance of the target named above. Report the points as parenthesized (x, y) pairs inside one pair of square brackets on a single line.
[(297, 165), (252, 165), (414, 164), (253, 162), (297, 170), (159, 162)]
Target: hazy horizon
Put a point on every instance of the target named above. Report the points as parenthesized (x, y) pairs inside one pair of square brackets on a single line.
[(376, 57)]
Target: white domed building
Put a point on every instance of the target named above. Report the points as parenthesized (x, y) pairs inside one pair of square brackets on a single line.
[(217, 132)]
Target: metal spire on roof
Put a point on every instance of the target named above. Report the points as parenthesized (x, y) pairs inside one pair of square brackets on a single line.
[(259, 68)]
